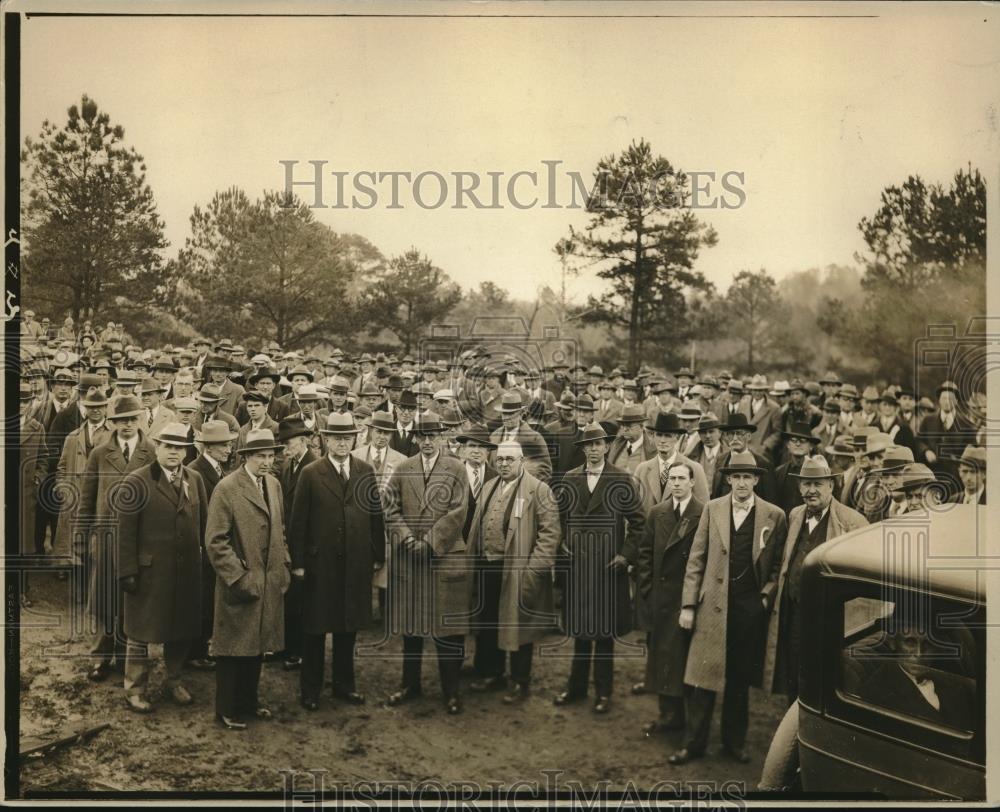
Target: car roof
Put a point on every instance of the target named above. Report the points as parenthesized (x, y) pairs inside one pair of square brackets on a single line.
[(944, 552)]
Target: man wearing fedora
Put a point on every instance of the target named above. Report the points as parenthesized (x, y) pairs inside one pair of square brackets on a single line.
[(602, 521), (690, 416), (156, 414), (818, 519), (764, 417), (799, 443), (828, 429), (126, 450), (215, 439), (651, 476), (264, 380), (972, 472), (871, 447), (568, 454), (512, 541), (210, 398), (729, 585), (634, 445), (216, 368), (882, 498), (943, 435), (159, 566), (489, 398), (514, 430), (404, 439), (255, 404), (45, 412), (32, 467), (738, 433), (608, 406), (69, 481), (425, 508), (729, 401), (712, 450), (337, 540), (244, 538), (889, 421), (662, 562)]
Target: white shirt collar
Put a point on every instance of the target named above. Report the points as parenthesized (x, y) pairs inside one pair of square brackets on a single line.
[(345, 465), (429, 464), (595, 472), (683, 504), (749, 503), (216, 465), (664, 464), (132, 443)]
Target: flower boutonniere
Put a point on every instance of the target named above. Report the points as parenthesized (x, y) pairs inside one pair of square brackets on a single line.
[(187, 493), (763, 536)]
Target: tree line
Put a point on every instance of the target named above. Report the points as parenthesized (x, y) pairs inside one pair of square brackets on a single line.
[(264, 268)]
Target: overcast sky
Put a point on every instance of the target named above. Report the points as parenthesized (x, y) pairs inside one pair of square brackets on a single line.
[(819, 114)]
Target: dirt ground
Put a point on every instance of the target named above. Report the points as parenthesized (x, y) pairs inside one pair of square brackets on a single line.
[(183, 748)]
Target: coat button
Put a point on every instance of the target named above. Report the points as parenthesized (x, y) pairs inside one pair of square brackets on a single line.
[(718, 608), (719, 580)]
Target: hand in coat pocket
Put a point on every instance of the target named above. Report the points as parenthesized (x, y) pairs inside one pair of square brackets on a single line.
[(244, 590)]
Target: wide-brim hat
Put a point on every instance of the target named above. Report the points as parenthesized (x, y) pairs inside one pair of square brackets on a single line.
[(743, 462), (591, 432), (633, 413), (383, 421), (511, 403), (88, 381), (800, 430), (215, 431), (585, 403), (259, 440), (428, 423), (340, 423), (848, 390), (737, 422), (125, 406), (709, 422), (290, 427), (174, 434), (895, 459), (150, 385), (165, 363), (915, 475), (216, 362), (814, 468), (308, 393), (210, 393), (831, 378), (948, 386), (667, 423), (94, 399), (972, 455), (265, 372)]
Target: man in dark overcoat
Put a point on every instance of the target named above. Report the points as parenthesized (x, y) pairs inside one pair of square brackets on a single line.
[(159, 566), (425, 509), (663, 555), (125, 451), (336, 538), (602, 521)]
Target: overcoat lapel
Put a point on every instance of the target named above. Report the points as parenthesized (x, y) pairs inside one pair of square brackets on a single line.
[(598, 494), (252, 492), (333, 481), (723, 512)]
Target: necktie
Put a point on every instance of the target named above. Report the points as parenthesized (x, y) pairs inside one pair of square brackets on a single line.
[(677, 512), (476, 482), (343, 471), (176, 482), (149, 422), (377, 459), (663, 476), (125, 452)]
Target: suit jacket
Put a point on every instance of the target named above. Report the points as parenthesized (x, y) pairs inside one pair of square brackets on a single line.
[(648, 477), (433, 580), (33, 466), (663, 556), (391, 459), (721, 410), (289, 480), (532, 537), (706, 582), (611, 411), (618, 453), (489, 474), (768, 422), (206, 471), (335, 533), (163, 416), (765, 485), (711, 467), (536, 455), (276, 410), (841, 520), (160, 545), (407, 447)]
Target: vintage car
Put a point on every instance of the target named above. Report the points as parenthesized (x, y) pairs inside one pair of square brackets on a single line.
[(892, 697)]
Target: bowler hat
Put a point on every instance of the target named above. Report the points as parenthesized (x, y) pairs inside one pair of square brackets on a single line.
[(125, 406), (742, 462), (591, 432), (814, 468), (259, 440), (174, 434), (668, 423), (214, 431), (290, 427)]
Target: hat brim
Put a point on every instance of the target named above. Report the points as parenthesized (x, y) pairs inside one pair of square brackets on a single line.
[(173, 441), (790, 434), (586, 440), (253, 449), (123, 415), (342, 432), (284, 438), (799, 475), (200, 438), (743, 469)]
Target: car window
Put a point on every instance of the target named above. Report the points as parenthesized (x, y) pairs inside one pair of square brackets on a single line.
[(912, 660)]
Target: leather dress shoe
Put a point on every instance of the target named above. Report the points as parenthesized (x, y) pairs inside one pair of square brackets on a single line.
[(262, 712), (353, 697), (401, 696), (602, 704), (202, 664), (683, 756), (453, 705), (138, 704), (488, 684), (639, 688), (231, 722), (517, 693), (567, 698), (310, 704), (181, 695), (737, 754), (292, 663), (662, 726), (99, 672)]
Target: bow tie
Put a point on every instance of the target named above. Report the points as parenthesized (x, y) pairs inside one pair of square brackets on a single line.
[(814, 514)]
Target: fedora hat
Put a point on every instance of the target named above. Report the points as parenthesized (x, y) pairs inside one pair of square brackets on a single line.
[(290, 427), (668, 423), (870, 393), (567, 400), (889, 396), (735, 385), (780, 388), (814, 468), (592, 432), (797, 385), (831, 405), (253, 396), (842, 447), (972, 455), (88, 381), (742, 462), (629, 385), (848, 390), (427, 423), (948, 386), (187, 404), (265, 372), (370, 390), (511, 403), (63, 376), (210, 393), (127, 378), (738, 422), (915, 475), (800, 430), (689, 411), (595, 370), (831, 378), (407, 400), (150, 385), (173, 434), (214, 431), (125, 406), (165, 363), (94, 399), (300, 369), (894, 459), (339, 385), (876, 443), (259, 440), (633, 413), (340, 423), (216, 362), (757, 383), (585, 403), (709, 422), (26, 392), (224, 344), (450, 416), (478, 434), (685, 372), (308, 392), (383, 421)]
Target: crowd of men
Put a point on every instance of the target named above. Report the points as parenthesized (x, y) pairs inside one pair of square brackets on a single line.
[(231, 504)]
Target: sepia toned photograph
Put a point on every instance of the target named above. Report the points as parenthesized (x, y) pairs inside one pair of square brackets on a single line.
[(499, 404)]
